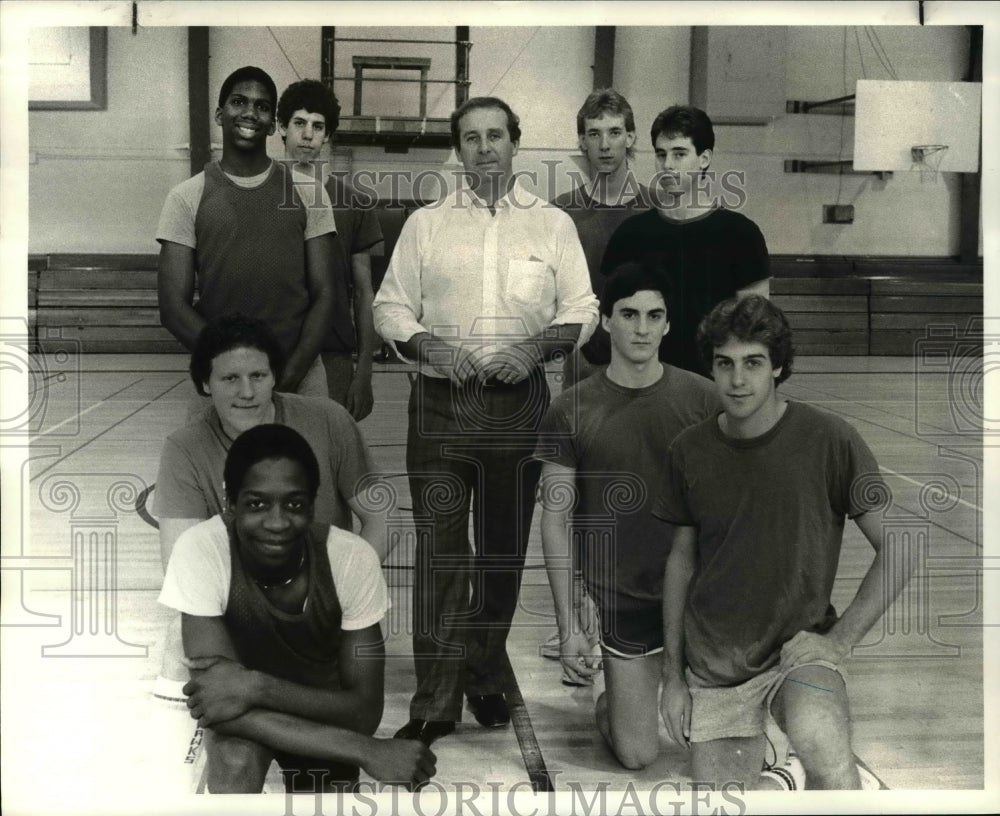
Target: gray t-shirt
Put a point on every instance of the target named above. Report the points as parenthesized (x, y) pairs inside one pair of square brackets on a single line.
[(189, 482), (616, 438), (770, 517)]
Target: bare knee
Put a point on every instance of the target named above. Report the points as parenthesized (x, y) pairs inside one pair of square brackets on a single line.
[(634, 749), (829, 768), (828, 765), (823, 744), (636, 757), (236, 765), (630, 710)]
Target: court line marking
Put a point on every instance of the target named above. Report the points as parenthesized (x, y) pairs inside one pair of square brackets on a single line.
[(531, 752), (107, 430), (79, 414), (961, 501), (836, 399)]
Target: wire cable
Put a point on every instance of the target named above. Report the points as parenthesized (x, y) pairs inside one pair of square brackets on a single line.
[(840, 152), (861, 56), (513, 61), (885, 53), (882, 58), (285, 53)]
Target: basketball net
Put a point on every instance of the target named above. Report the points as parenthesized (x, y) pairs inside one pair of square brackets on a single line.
[(928, 158)]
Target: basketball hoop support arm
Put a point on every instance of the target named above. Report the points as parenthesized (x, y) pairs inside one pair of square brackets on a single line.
[(834, 167), (798, 106)]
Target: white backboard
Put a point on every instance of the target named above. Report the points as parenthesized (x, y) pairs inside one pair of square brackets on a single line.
[(892, 116)]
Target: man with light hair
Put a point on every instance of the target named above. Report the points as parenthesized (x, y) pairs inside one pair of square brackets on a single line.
[(605, 128)]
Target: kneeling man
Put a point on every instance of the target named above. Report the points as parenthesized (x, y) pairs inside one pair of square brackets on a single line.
[(761, 492), (602, 445), (280, 621)]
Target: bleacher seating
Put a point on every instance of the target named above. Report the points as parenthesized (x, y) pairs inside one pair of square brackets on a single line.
[(836, 305)]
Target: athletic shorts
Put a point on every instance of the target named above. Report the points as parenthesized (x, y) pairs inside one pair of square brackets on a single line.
[(632, 633), (718, 712), (308, 774)]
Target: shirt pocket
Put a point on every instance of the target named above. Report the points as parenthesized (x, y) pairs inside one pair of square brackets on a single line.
[(528, 282)]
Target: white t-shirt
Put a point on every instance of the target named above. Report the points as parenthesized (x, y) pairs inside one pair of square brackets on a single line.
[(200, 571)]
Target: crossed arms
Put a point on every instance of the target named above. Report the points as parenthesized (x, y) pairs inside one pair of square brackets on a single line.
[(327, 723)]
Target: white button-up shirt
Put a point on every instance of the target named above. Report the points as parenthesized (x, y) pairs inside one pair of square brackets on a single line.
[(483, 281)]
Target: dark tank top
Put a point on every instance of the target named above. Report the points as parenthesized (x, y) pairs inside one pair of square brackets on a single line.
[(301, 647)]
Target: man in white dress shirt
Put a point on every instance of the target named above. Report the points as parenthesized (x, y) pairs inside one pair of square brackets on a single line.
[(483, 288)]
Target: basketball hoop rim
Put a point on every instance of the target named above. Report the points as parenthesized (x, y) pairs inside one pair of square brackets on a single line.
[(922, 151)]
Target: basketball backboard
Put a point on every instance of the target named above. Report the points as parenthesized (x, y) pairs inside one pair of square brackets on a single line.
[(892, 117)]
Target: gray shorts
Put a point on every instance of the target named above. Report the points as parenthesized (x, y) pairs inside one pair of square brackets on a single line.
[(719, 712)]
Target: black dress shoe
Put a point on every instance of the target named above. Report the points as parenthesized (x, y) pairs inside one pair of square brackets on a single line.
[(490, 710), (425, 730)]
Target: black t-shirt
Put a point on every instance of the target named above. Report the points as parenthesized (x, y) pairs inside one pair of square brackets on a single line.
[(595, 224), (706, 260)]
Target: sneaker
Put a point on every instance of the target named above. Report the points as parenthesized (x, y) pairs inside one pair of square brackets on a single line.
[(790, 776), (869, 781), (552, 647), (570, 681), (170, 690)]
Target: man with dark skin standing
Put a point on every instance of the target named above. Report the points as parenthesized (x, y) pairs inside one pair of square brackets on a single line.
[(249, 239)]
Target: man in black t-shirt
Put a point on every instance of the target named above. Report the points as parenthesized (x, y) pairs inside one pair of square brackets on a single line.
[(708, 252)]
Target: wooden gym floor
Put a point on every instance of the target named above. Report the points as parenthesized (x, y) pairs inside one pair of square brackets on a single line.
[(79, 667)]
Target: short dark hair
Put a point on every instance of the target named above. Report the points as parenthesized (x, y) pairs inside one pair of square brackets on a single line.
[(750, 319), (477, 102), (263, 442), (629, 278), (684, 120), (248, 73), (310, 95), (230, 332)]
